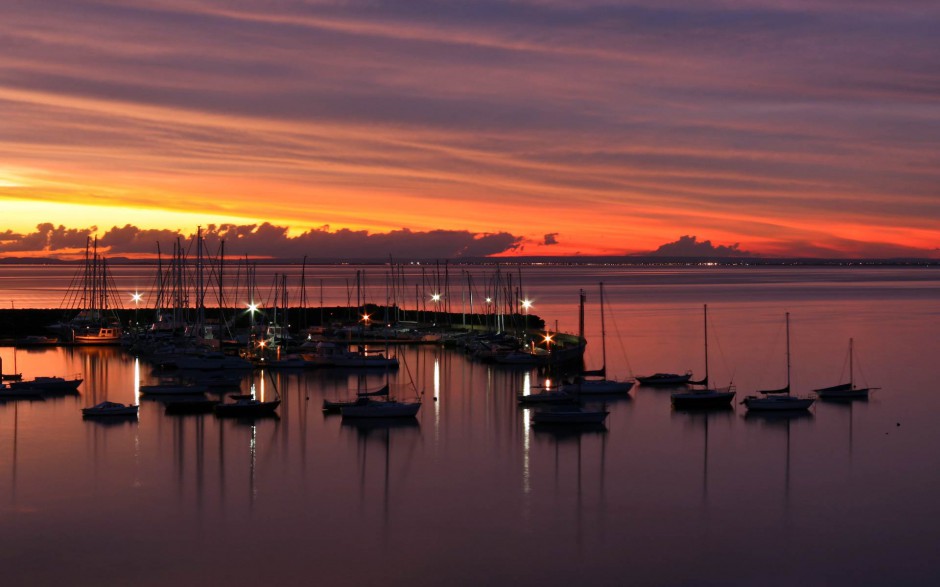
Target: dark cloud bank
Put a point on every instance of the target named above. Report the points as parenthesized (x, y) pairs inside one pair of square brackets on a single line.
[(690, 246), (267, 240)]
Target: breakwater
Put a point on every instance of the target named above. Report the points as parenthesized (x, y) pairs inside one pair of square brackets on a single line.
[(19, 323)]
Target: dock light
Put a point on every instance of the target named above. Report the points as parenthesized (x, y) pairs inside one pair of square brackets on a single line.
[(252, 307), (526, 304), (366, 318), (548, 339), (137, 297), (436, 297), (489, 300)]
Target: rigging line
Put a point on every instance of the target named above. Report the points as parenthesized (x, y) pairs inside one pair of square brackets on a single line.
[(845, 365), (861, 371), (769, 357), (623, 348), (721, 351)]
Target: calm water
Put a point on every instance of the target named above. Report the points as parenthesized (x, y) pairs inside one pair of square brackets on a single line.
[(471, 494)]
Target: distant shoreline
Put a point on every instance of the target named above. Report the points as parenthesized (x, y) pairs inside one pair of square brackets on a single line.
[(623, 261)]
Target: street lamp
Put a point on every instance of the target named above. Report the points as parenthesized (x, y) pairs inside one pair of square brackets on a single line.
[(252, 308), (526, 304), (436, 298), (136, 297)]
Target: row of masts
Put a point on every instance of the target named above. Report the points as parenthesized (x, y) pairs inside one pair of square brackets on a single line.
[(186, 292)]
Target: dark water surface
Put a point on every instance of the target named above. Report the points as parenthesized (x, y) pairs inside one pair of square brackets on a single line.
[(470, 493)]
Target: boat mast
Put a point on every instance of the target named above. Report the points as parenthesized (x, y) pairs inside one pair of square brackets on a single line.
[(788, 362), (851, 365), (603, 336), (705, 308)]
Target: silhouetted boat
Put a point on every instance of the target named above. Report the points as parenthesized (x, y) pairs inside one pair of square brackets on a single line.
[(7, 392), (381, 409), (246, 406), (665, 379), (778, 400), (366, 407), (596, 382), (10, 376), (707, 397), (49, 384), (362, 398), (547, 396), (846, 391), (568, 415), (334, 406), (110, 409)]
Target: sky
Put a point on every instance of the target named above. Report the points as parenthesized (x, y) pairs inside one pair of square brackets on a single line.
[(545, 127)]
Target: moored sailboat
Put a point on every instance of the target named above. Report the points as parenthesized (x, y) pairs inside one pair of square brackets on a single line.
[(707, 397), (779, 399), (596, 382), (846, 391)]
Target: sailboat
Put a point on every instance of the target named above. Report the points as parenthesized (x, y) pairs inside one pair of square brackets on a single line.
[(14, 376), (846, 390), (779, 399), (707, 397), (247, 406), (333, 406), (367, 407), (596, 382)]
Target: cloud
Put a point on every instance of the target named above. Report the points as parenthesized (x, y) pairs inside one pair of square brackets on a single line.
[(550, 238), (46, 238), (268, 240), (689, 246)]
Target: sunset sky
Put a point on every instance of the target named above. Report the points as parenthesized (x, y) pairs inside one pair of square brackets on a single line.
[(544, 127)]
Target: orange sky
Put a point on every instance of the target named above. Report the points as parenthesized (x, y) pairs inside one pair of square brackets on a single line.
[(791, 131)]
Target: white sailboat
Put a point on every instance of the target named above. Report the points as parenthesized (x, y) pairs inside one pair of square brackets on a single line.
[(707, 397), (779, 399), (596, 382)]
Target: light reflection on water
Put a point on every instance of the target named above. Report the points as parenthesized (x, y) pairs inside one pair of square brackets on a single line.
[(470, 493)]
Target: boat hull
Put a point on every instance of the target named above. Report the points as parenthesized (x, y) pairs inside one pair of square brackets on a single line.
[(777, 404), (599, 387), (48, 385), (664, 379), (843, 393), (702, 399), (574, 416), (246, 410), (375, 409), (110, 410)]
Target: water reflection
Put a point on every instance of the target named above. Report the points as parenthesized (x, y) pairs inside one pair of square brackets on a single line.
[(374, 443), (703, 420)]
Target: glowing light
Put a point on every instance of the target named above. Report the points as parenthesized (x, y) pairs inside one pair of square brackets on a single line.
[(489, 300), (252, 307), (137, 297), (526, 304), (366, 318), (436, 297), (548, 339)]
